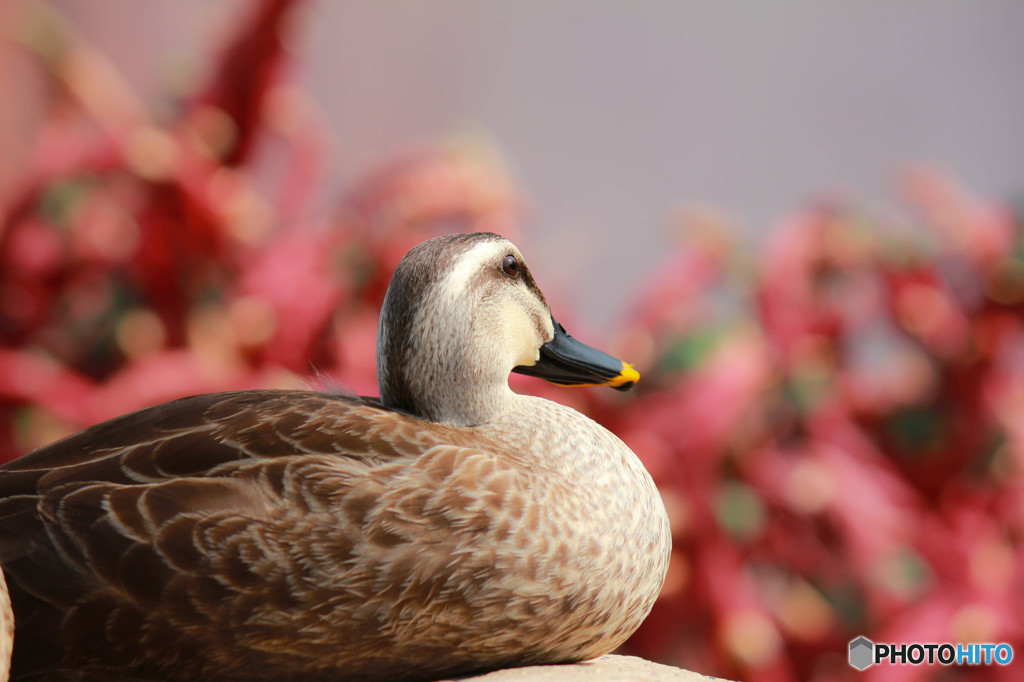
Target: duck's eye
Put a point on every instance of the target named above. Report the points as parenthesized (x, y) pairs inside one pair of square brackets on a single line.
[(510, 266)]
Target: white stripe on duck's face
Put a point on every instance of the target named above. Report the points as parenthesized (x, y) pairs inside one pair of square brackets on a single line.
[(473, 262), (473, 322)]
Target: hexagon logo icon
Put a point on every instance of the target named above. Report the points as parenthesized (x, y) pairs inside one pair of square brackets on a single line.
[(862, 653)]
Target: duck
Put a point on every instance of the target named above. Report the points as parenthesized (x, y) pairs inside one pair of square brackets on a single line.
[(448, 527)]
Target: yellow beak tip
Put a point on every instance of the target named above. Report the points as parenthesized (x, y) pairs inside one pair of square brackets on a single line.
[(628, 375)]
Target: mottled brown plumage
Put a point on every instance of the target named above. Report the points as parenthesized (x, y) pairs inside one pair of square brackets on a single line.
[(293, 535)]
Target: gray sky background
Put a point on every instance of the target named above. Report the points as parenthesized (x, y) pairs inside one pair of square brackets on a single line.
[(615, 114)]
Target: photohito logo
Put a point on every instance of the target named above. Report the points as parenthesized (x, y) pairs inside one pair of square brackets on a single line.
[(865, 653), (861, 653)]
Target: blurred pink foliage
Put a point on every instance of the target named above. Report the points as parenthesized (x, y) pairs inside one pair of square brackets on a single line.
[(836, 422)]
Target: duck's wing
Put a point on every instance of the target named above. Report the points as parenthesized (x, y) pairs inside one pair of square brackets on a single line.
[(193, 436), (189, 533)]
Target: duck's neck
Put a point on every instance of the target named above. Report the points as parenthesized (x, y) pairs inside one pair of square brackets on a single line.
[(484, 405), (455, 395), (424, 370)]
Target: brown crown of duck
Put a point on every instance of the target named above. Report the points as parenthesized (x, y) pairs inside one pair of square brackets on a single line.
[(450, 527)]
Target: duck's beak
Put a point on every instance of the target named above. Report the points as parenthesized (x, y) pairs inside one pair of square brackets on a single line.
[(568, 362)]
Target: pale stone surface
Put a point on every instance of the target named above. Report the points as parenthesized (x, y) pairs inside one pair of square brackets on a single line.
[(604, 669), (6, 630)]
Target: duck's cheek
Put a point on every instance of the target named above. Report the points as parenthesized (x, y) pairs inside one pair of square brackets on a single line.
[(517, 335), (528, 359), (528, 354)]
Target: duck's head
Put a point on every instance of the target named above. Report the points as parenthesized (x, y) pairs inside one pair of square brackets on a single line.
[(462, 312)]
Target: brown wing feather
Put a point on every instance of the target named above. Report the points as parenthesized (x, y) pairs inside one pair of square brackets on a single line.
[(250, 535)]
